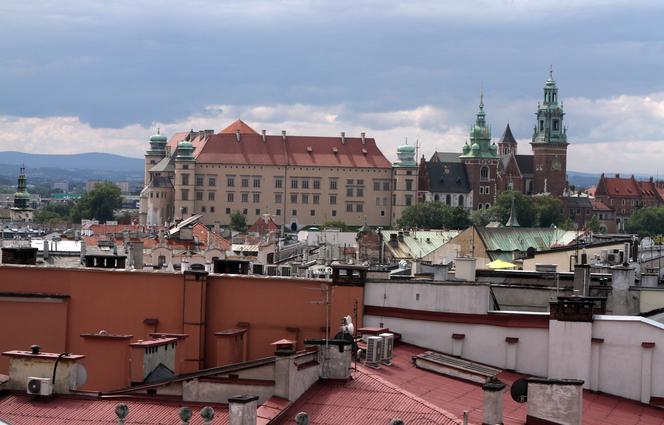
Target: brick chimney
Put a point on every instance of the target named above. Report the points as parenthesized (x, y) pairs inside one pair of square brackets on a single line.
[(146, 356), (242, 410), (36, 364), (110, 370), (568, 406)]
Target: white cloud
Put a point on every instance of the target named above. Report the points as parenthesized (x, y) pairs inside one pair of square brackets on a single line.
[(623, 133)]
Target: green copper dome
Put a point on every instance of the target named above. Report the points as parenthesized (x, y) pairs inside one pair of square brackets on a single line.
[(157, 144), (185, 151), (466, 148), (406, 155), (158, 137), (480, 137), (475, 149)]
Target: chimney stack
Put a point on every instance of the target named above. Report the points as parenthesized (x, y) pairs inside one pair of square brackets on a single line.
[(343, 137), (363, 139), (283, 135), (465, 268), (237, 134), (264, 135), (493, 402), (568, 394), (242, 410)]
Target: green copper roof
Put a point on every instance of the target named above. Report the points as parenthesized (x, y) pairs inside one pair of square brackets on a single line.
[(185, 151), (406, 155), (480, 137)]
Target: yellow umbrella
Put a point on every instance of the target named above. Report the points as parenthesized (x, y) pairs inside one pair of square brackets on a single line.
[(501, 264)]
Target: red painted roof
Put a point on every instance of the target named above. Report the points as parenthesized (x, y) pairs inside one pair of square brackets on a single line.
[(238, 125), (23, 410), (456, 396), (295, 151), (364, 399)]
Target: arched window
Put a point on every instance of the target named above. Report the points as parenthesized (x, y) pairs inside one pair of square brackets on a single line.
[(436, 198), (487, 206), (484, 173), (479, 206), (448, 199), (461, 200)]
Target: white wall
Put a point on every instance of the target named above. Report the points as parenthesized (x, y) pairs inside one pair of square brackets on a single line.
[(483, 343), (454, 298)]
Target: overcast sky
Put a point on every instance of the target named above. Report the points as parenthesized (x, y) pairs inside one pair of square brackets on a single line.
[(82, 76)]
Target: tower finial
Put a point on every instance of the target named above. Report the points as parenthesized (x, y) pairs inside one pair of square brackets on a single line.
[(551, 71), (158, 130), (481, 97)]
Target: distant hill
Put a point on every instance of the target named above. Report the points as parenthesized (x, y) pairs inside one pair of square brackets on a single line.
[(83, 166)]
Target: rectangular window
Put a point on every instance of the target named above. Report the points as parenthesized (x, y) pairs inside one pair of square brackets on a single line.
[(293, 198), (359, 207), (394, 199), (228, 210), (199, 180), (333, 199), (349, 181), (278, 183), (359, 192), (409, 200), (211, 209), (230, 197), (305, 184), (184, 210), (386, 185), (257, 182), (185, 180), (258, 211), (382, 213), (312, 212), (230, 182), (316, 184), (294, 212), (305, 198), (409, 184), (349, 207), (349, 191), (293, 183), (360, 182), (244, 211), (212, 181), (278, 198), (210, 196), (278, 212), (377, 201), (199, 196), (316, 199), (376, 186), (203, 209), (245, 182), (245, 197), (256, 198), (333, 184), (334, 213), (185, 194), (555, 125)]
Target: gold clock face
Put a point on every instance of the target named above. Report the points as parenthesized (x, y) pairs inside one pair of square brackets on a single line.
[(556, 164)]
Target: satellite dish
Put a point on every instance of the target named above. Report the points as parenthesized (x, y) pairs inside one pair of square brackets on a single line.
[(519, 390), (81, 375)]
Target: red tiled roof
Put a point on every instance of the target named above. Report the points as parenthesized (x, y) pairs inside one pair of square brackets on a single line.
[(364, 399), (238, 125), (177, 138), (456, 396), (648, 189), (102, 229), (619, 186), (295, 151), (262, 227), (23, 410), (599, 205), (204, 235)]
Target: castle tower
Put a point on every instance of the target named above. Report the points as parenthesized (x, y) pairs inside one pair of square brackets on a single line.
[(185, 174), (480, 158), (156, 153), (21, 210), (405, 181), (550, 143), (507, 144)]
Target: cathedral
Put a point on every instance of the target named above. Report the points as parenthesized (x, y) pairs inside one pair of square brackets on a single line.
[(484, 168)]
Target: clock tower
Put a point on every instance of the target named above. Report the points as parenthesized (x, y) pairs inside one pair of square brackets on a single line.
[(550, 143)]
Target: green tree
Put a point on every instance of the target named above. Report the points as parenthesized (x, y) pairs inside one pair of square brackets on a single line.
[(434, 215), (567, 224), (593, 224), (54, 213), (98, 204), (336, 224), (646, 222), (549, 210), (481, 218), (526, 214), (238, 222)]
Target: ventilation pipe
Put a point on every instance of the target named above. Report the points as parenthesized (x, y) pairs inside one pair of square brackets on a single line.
[(343, 137), (237, 134), (263, 135), (283, 135)]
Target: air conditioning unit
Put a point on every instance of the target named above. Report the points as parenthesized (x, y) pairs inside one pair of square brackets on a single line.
[(612, 258), (374, 351), (39, 386), (388, 345)]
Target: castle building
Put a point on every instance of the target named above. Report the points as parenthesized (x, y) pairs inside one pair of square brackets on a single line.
[(483, 169), (298, 180)]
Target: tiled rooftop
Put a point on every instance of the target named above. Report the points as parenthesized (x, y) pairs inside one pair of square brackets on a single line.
[(23, 410), (455, 395)]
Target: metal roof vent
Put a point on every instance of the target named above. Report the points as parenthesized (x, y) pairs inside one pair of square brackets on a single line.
[(362, 137), (263, 135), (343, 137), (283, 135), (237, 134)]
